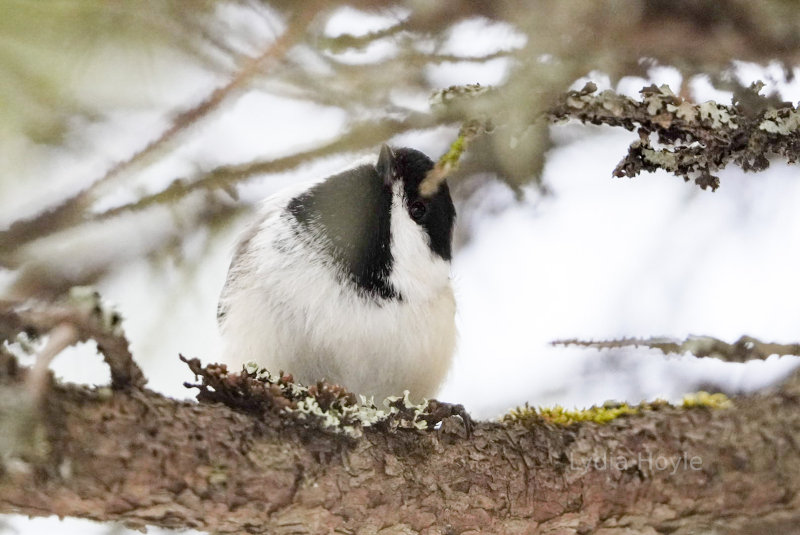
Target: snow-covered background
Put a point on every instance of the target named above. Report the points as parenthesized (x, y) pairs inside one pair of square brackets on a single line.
[(594, 258)]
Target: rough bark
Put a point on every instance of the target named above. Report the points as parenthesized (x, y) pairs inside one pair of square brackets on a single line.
[(138, 457)]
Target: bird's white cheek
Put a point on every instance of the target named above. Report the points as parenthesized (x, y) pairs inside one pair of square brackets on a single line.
[(417, 272)]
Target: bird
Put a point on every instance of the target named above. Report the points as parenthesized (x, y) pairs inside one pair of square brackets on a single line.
[(348, 281)]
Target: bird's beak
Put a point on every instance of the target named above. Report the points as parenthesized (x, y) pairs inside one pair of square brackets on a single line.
[(386, 166)]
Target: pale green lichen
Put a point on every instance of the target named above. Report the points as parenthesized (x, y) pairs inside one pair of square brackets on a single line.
[(611, 102), (653, 105), (774, 123), (769, 126), (576, 102), (252, 368), (351, 419), (685, 110), (663, 158), (717, 114), (87, 300), (310, 406), (657, 98), (323, 405), (701, 138)]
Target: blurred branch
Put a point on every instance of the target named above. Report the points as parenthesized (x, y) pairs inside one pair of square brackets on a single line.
[(73, 209), (744, 349), (345, 42), (249, 68), (416, 58), (79, 318), (359, 137), (59, 337)]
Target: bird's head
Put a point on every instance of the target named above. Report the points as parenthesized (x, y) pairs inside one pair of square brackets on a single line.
[(402, 171), (383, 234)]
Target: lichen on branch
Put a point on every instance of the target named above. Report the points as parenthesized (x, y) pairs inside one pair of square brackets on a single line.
[(323, 406), (690, 140)]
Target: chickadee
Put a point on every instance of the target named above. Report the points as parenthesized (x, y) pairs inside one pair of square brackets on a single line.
[(348, 281)]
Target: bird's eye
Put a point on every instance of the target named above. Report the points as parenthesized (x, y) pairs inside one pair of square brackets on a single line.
[(417, 210)]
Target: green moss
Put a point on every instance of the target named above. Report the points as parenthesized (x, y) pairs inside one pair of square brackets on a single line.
[(704, 399), (449, 160), (561, 416), (610, 410)]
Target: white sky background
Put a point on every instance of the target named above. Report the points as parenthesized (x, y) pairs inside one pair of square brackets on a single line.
[(598, 258)]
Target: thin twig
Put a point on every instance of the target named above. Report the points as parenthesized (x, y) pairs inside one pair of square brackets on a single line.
[(744, 349), (250, 67), (71, 210), (347, 41), (449, 161), (360, 137)]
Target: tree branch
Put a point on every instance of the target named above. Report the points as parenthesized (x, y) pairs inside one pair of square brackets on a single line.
[(140, 458), (85, 317)]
